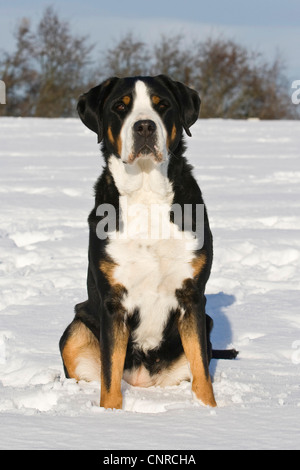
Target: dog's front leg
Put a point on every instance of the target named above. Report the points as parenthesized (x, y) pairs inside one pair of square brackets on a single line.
[(113, 345), (192, 330)]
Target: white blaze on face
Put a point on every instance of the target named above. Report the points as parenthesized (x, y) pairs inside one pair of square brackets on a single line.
[(142, 110)]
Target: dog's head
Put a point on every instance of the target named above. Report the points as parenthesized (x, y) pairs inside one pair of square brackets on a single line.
[(140, 116)]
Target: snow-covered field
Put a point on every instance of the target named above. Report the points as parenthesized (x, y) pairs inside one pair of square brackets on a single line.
[(249, 173)]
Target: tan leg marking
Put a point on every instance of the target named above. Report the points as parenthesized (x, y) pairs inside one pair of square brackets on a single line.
[(108, 266), (201, 383), (198, 264), (111, 397)]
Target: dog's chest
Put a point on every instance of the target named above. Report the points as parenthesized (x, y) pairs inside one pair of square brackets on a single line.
[(153, 258)]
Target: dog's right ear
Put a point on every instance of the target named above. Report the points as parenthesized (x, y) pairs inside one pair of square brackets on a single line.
[(187, 99), (90, 106)]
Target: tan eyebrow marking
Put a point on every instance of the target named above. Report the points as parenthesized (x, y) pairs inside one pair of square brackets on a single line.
[(126, 100), (155, 99)]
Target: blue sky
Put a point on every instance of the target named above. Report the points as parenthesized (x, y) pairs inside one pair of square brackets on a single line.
[(268, 26)]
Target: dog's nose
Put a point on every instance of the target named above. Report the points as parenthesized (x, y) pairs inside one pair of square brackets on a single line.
[(145, 128)]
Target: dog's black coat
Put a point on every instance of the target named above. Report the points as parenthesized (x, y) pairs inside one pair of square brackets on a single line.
[(103, 306)]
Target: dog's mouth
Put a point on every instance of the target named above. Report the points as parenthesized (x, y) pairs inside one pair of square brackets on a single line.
[(146, 151)]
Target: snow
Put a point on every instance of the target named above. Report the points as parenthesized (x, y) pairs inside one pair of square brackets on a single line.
[(249, 173)]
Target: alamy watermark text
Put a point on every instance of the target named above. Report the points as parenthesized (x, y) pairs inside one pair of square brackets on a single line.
[(2, 92), (296, 93), (151, 221)]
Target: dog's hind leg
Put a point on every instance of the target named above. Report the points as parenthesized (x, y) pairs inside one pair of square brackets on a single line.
[(80, 352)]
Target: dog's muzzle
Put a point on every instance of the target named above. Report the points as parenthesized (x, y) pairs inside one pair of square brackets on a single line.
[(145, 140)]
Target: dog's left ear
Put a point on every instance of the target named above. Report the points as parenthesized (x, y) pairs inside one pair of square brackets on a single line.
[(187, 100), (90, 106)]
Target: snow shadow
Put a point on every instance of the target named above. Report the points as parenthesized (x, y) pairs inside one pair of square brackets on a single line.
[(221, 335)]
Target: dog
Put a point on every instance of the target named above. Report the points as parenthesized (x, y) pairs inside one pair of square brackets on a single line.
[(144, 320)]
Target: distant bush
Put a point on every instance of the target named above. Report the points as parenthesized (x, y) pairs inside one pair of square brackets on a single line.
[(46, 73), (51, 67)]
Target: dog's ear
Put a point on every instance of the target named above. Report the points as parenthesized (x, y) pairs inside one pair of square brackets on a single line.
[(187, 100), (90, 106)]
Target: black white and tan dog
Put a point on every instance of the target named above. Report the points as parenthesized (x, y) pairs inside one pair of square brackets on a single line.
[(144, 320)]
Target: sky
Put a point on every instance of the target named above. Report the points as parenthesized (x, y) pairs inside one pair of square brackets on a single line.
[(266, 26)]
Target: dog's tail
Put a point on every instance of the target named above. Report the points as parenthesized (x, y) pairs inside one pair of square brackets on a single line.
[(224, 353)]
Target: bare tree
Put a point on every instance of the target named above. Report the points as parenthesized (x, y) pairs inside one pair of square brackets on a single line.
[(171, 58), (18, 73), (61, 59), (129, 57), (221, 67), (266, 92), (49, 69), (236, 83), (47, 72)]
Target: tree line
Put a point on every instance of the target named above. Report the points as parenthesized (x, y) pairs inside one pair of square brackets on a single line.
[(50, 67)]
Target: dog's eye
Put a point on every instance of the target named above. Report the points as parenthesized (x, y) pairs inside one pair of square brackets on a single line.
[(120, 106), (163, 105)]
